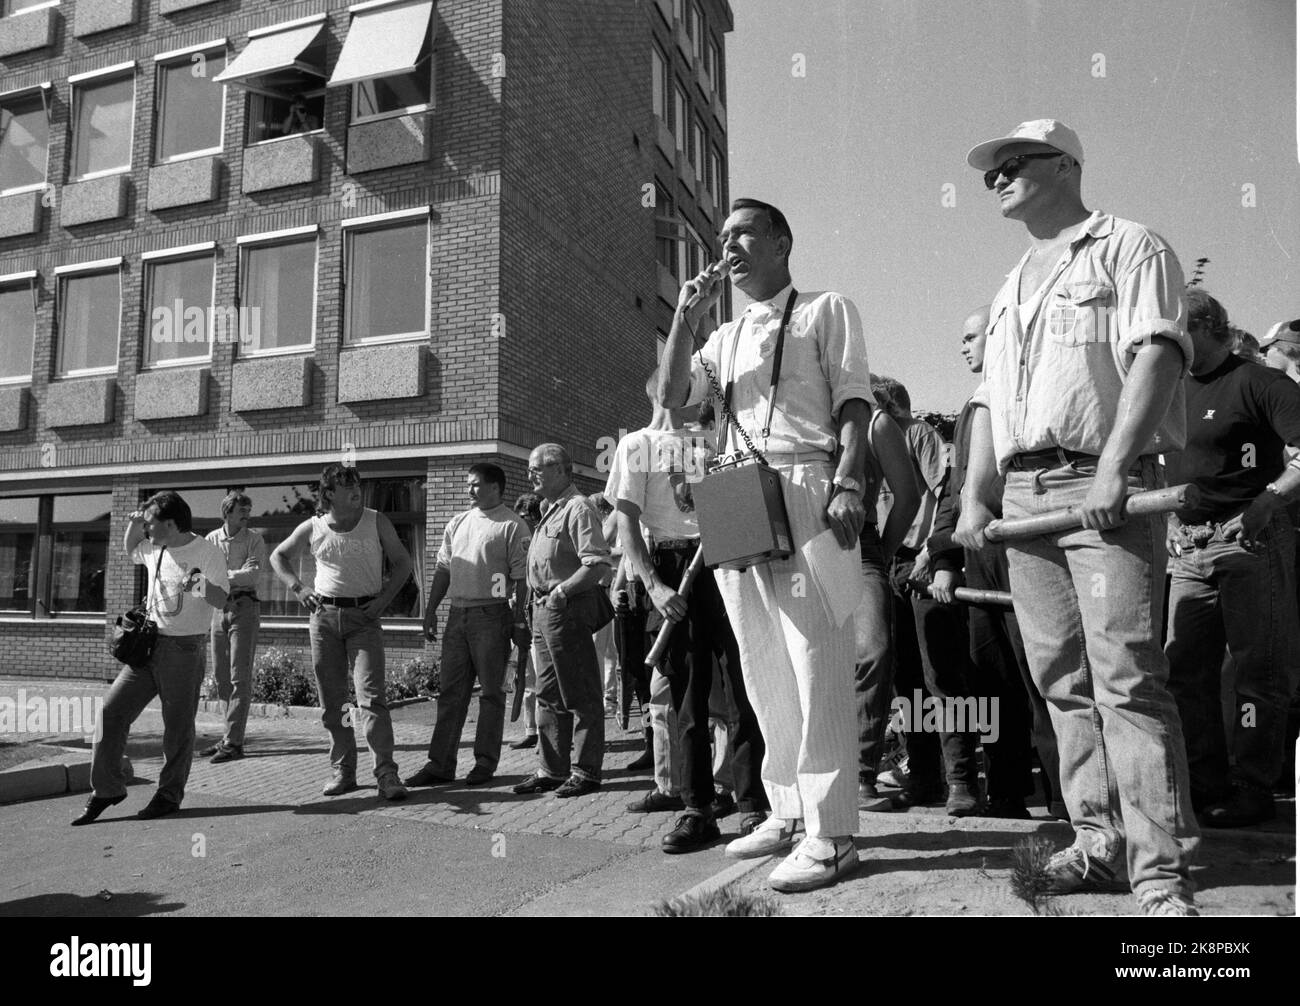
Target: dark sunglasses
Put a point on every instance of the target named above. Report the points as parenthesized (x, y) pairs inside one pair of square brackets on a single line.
[(1011, 167)]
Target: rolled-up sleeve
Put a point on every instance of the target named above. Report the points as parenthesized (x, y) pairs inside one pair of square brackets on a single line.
[(586, 535), (701, 388), (520, 539), (843, 351), (1149, 304)]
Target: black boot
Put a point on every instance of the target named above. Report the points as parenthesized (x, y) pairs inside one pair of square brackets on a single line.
[(647, 759)]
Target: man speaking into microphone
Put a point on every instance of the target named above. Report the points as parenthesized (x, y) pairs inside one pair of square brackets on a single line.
[(796, 643)]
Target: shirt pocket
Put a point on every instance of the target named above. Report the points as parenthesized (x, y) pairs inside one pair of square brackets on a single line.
[(1078, 313)]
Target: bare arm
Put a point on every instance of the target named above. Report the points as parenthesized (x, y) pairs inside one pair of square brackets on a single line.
[(890, 448), (666, 600), (134, 533), (285, 553), (693, 303), (977, 496), (398, 559), (844, 510)]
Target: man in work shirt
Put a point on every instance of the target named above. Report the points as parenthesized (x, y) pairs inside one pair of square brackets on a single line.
[(1082, 391)]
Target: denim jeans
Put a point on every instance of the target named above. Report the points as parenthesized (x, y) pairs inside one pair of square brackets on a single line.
[(234, 638), (661, 721), (1089, 604), (475, 643), (175, 675), (1221, 594), (570, 701), (340, 636), (873, 627)]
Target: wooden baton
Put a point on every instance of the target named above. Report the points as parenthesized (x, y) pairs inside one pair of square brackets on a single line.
[(656, 653), (1155, 501), (967, 595)]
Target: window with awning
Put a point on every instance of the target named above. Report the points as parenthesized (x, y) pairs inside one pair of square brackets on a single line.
[(388, 59), (283, 70)]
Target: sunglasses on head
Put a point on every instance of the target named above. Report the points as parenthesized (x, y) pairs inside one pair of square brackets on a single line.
[(1011, 167)]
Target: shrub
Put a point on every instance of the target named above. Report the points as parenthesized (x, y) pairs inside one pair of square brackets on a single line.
[(414, 678), (724, 903), (283, 677)]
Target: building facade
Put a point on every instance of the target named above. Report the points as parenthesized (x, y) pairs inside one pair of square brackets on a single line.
[(241, 239)]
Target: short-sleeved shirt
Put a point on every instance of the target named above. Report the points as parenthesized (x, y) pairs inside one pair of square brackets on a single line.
[(483, 550), (246, 556), (655, 470), (1239, 416), (824, 365), (567, 537), (178, 612), (925, 447), (1057, 381)]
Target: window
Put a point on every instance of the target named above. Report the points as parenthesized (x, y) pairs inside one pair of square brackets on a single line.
[(18, 526), (681, 117), (90, 318), (707, 50), (24, 142), (65, 575), (102, 116), (17, 327), (283, 70), (279, 293), (715, 68), (659, 83), (716, 170), (280, 507), (191, 105), (387, 57), (386, 274), (79, 542), (180, 308), (691, 252), (665, 252), (695, 32), (699, 152)]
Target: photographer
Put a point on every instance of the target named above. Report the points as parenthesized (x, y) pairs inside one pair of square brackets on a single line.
[(299, 120), (187, 583)]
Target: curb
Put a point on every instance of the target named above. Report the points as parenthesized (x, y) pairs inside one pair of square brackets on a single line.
[(49, 777), (723, 878)]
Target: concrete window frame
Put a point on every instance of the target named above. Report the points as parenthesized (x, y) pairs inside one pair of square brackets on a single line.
[(278, 239), (150, 262), (378, 223), (22, 96), (179, 59), (13, 286), (82, 84), (65, 276)]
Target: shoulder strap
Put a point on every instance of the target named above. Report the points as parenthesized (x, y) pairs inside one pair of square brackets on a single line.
[(151, 587), (777, 356)]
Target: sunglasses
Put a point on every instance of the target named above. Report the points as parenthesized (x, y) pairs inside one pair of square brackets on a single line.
[(1011, 167)]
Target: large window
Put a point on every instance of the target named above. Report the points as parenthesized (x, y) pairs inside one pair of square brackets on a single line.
[(90, 317), (399, 94), (279, 296), (103, 115), (24, 142), (665, 252), (180, 308), (67, 575), (695, 31), (17, 327), (715, 68), (659, 84), (387, 267), (278, 508), (698, 150), (715, 176), (387, 58), (190, 105), (18, 527)]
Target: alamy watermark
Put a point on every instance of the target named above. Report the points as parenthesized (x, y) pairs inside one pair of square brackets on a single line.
[(178, 323), (950, 715), (58, 714)]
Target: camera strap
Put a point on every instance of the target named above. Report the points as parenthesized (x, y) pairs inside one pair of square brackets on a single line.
[(153, 582), (777, 355)]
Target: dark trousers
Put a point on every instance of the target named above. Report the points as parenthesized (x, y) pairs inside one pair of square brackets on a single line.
[(475, 643), (933, 651), (998, 654), (570, 699), (873, 680), (704, 634)]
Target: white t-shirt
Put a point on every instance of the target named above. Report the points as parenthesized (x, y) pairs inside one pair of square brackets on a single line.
[(178, 612), (655, 469)]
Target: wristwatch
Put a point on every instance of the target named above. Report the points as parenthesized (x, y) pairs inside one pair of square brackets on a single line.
[(1272, 488), (847, 483), (559, 589)]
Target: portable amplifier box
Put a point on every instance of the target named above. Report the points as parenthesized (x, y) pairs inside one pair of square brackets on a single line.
[(742, 517)]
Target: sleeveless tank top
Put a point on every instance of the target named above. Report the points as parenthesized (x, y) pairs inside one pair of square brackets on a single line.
[(348, 564)]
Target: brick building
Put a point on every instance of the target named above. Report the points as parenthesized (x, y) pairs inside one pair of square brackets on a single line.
[(240, 239)]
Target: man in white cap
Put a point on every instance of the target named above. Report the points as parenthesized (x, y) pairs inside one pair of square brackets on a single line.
[(1087, 347)]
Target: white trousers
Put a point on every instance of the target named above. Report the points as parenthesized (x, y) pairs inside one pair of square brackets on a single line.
[(798, 670)]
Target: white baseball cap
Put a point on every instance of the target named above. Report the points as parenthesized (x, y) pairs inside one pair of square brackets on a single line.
[(1283, 331), (1048, 131)]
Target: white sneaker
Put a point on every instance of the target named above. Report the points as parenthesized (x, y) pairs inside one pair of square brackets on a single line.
[(815, 863), (772, 836)]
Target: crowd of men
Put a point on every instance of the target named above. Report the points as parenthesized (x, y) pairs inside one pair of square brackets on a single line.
[(1101, 375)]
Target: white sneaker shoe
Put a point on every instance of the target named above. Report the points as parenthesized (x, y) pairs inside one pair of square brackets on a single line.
[(815, 863), (772, 836)]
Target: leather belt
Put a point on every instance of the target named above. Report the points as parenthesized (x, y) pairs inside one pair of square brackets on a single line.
[(345, 602), (1049, 457)]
